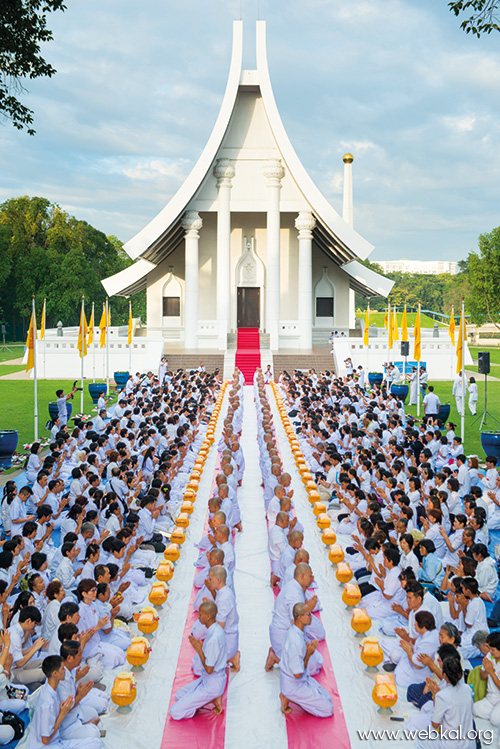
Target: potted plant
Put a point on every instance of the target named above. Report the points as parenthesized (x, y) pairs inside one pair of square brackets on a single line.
[(375, 378), (95, 389), (490, 442), (53, 409), (444, 413), (8, 444), (400, 391), (120, 378)]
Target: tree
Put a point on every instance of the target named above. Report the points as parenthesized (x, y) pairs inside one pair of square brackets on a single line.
[(484, 18), (48, 253), (23, 27), (484, 277)]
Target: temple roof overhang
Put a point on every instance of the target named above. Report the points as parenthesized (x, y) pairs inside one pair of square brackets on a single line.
[(152, 244)]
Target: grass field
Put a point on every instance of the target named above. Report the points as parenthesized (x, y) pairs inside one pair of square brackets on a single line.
[(16, 352), (16, 412), (377, 319), (6, 369), (494, 359), (472, 435)]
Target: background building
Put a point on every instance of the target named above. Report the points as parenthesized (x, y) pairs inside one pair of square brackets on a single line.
[(425, 267)]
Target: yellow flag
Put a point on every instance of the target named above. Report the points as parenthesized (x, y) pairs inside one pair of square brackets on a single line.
[(130, 323), (417, 335), (390, 328), (462, 336), (42, 324), (395, 333), (91, 327), (367, 326), (30, 342), (109, 315), (82, 334), (386, 326), (102, 327), (451, 329), (404, 327)]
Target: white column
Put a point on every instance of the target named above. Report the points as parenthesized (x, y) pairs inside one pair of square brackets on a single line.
[(274, 173), (347, 207), (224, 172), (348, 216), (305, 223), (191, 223)]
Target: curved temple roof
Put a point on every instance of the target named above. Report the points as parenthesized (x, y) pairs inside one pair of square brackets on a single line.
[(163, 233)]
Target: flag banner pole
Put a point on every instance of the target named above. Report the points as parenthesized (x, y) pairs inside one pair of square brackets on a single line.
[(418, 389), (82, 318), (93, 344), (35, 379), (367, 344), (107, 344), (462, 416), (130, 337), (417, 353), (42, 338)]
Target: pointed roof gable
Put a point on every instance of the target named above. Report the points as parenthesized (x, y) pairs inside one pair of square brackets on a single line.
[(164, 232)]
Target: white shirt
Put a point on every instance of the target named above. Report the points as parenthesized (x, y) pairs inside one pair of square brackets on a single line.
[(432, 403)]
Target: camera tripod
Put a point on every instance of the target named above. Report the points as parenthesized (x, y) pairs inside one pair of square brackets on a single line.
[(484, 416)]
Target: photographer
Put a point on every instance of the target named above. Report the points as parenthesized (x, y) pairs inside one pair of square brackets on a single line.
[(61, 404)]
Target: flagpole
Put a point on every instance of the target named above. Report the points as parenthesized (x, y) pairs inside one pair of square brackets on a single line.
[(43, 337), (107, 344), (130, 344), (35, 381), (82, 325), (462, 333), (367, 337), (419, 359), (93, 344)]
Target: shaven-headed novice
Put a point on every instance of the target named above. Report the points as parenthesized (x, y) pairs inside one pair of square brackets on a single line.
[(212, 652), (296, 683)]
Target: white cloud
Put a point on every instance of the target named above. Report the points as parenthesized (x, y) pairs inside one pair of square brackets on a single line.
[(394, 82), (460, 124)]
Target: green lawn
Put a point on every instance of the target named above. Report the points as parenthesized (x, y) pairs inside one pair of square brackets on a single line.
[(6, 369), (17, 399), (494, 359), (377, 319), (472, 434), (16, 352)]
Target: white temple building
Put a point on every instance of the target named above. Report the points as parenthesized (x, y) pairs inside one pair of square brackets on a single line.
[(248, 240)]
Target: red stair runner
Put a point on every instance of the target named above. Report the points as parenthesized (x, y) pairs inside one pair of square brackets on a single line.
[(248, 352)]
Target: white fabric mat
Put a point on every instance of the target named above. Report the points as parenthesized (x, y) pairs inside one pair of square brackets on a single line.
[(254, 718)]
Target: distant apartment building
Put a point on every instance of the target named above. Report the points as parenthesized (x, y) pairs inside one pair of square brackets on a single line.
[(426, 267)]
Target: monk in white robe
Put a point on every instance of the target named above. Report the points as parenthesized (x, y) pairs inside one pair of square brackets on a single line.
[(296, 683), (292, 593), (212, 651), (227, 616)]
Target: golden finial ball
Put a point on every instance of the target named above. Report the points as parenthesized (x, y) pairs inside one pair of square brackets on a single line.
[(348, 158)]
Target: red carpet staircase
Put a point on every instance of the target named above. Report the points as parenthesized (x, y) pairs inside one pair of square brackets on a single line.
[(248, 352)]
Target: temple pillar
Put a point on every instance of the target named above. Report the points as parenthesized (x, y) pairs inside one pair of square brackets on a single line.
[(224, 172), (191, 223), (305, 223), (274, 173)]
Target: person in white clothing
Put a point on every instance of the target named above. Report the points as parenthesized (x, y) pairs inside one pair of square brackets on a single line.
[(50, 712), (452, 710), (473, 395), (431, 404), (486, 571), (489, 707), (458, 392), (277, 542)]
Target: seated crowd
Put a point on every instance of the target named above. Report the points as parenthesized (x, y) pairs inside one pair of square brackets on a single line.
[(418, 521), (79, 543)]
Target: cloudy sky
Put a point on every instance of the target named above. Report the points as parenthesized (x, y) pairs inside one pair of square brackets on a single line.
[(396, 82)]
